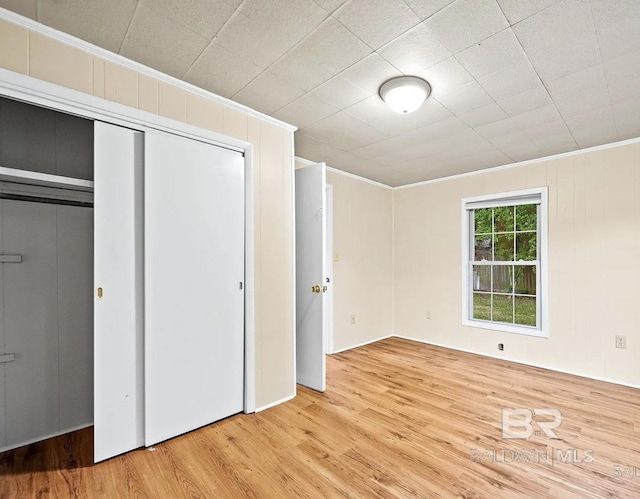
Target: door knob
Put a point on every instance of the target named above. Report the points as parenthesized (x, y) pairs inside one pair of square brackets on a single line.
[(315, 289)]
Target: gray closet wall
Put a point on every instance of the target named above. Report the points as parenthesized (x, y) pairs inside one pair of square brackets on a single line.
[(46, 302), (41, 140)]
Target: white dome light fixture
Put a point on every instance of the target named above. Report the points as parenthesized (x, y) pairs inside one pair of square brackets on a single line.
[(405, 94)]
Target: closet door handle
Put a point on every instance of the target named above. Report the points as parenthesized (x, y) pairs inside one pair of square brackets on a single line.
[(99, 292)]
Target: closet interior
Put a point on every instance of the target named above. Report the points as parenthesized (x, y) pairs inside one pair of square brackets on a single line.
[(46, 273)]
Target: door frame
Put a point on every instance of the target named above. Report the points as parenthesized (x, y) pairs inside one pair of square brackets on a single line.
[(44, 94)]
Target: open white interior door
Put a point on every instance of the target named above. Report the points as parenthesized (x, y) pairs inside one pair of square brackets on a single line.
[(194, 290), (118, 333), (310, 276)]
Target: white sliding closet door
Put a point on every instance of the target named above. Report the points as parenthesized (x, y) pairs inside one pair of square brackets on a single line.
[(118, 333), (194, 301)]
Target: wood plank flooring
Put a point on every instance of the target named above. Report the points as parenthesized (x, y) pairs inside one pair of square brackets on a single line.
[(399, 419)]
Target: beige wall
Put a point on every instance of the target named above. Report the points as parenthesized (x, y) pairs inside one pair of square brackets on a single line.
[(594, 263), (363, 275), (41, 57)]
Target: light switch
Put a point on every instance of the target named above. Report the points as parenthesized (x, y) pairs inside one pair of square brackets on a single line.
[(336, 257)]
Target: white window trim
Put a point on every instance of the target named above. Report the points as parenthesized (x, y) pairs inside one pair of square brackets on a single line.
[(503, 199)]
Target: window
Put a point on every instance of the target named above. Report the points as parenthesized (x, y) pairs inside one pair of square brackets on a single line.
[(504, 262)]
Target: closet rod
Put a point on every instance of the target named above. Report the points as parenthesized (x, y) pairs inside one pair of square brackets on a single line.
[(39, 199)]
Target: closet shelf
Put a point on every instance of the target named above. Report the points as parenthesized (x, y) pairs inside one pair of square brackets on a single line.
[(44, 179)]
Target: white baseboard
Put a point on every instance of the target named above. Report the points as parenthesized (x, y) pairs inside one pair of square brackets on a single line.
[(541, 366), (363, 344), (277, 402), (44, 437)]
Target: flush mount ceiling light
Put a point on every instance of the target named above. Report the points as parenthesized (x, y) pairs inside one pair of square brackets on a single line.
[(405, 94)]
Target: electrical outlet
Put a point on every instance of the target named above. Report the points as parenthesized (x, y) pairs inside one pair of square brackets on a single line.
[(501, 346), (621, 341), (353, 319), (427, 315)]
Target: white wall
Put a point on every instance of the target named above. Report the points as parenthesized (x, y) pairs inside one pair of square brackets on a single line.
[(594, 264)]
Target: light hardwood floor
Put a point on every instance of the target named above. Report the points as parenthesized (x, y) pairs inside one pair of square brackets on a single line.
[(398, 419)]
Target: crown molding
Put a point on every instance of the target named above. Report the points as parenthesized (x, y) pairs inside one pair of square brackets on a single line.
[(601, 147), (567, 154), (94, 50), (346, 174), (358, 177)]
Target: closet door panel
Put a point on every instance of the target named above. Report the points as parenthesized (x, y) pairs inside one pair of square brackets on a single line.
[(75, 313), (31, 320), (118, 333), (194, 304)]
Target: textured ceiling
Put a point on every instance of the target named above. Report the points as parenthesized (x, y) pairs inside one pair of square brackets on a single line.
[(512, 79)]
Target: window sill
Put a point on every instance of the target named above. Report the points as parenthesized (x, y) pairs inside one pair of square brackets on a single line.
[(506, 328)]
